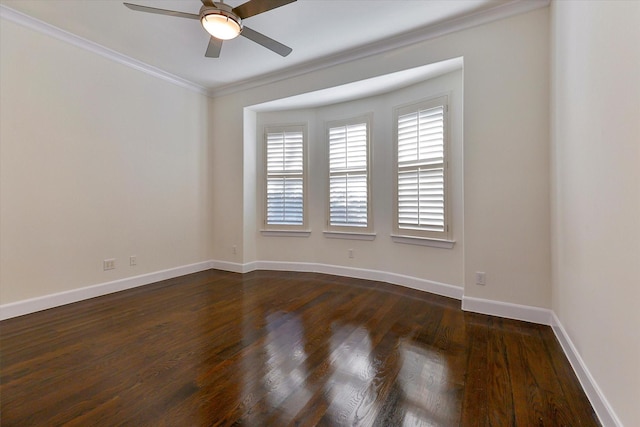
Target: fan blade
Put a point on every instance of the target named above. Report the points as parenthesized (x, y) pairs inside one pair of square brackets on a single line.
[(254, 7), (213, 50), (139, 8), (265, 41), (208, 3)]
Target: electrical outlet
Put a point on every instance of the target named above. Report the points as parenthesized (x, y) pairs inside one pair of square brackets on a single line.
[(350, 253), (109, 264), (481, 278), (133, 261), (234, 249)]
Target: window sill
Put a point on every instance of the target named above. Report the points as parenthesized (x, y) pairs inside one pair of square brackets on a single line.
[(423, 241), (351, 235), (286, 233)]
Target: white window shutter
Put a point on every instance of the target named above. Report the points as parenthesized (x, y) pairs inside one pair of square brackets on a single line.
[(285, 181), (421, 199), (348, 176), (420, 169)]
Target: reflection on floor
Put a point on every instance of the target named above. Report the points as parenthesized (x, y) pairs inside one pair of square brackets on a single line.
[(281, 348)]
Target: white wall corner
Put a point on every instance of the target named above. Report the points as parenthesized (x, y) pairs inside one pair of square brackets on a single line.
[(32, 305), (544, 316), (233, 267), (507, 310), (597, 398)]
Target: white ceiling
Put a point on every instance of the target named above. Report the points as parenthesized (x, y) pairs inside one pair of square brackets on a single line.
[(317, 30), (362, 88)]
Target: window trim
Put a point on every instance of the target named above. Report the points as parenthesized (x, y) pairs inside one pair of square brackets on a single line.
[(285, 229), (418, 236), (348, 235), (345, 231)]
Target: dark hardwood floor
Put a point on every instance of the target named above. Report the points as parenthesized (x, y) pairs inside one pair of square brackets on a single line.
[(278, 349)]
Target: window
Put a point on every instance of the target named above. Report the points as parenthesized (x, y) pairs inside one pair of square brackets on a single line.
[(421, 170), (349, 207), (285, 177)]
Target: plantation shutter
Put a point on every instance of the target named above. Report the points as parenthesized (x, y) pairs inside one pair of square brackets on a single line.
[(421, 186), (348, 176), (285, 178)]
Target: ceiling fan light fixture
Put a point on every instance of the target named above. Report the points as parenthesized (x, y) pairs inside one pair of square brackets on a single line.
[(224, 22), (221, 24)]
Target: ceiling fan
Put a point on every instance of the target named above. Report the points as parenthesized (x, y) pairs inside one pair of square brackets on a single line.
[(223, 22)]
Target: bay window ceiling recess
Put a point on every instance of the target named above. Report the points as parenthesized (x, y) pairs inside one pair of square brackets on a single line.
[(285, 149), (348, 161), (420, 175), (412, 115)]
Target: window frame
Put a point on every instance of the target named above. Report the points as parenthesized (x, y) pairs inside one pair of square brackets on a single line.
[(285, 229), (348, 231), (417, 235)]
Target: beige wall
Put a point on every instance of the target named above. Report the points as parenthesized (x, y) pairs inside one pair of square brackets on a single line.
[(596, 194), (97, 161), (64, 209), (101, 161), (381, 254), (506, 152)]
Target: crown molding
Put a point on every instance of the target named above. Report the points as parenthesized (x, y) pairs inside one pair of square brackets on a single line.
[(506, 10), (55, 32), (502, 11)]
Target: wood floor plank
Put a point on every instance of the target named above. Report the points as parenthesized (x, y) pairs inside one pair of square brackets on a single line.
[(500, 393), (528, 399), (474, 403), (281, 348), (569, 390)]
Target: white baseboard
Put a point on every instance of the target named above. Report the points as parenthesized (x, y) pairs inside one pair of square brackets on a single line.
[(508, 310), (361, 273), (233, 267), (599, 402), (45, 302)]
